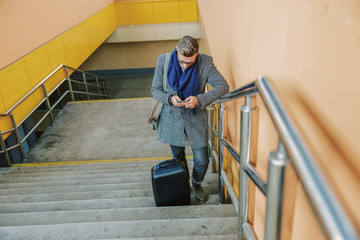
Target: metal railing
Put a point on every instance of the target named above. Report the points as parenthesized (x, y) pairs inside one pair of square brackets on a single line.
[(90, 85), (291, 149)]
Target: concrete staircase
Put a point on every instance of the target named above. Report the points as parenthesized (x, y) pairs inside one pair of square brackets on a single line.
[(103, 201)]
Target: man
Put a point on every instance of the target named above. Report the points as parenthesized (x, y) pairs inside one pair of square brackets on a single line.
[(185, 101)]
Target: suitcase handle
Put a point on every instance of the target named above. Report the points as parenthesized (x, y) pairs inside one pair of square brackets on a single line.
[(167, 163)]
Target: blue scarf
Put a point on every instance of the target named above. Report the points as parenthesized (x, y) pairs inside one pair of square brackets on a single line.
[(186, 82)]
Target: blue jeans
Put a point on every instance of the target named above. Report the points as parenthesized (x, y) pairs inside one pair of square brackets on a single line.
[(201, 161)]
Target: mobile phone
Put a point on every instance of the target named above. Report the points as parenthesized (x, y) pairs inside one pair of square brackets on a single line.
[(180, 101)]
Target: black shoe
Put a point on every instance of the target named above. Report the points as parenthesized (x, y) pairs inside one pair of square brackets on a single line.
[(200, 194)]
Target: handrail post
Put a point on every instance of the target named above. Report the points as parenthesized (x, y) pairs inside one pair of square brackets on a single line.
[(220, 136), (278, 160), (98, 87), (69, 84), (58, 92), (244, 159), (86, 86), (211, 150), (17, 136), (106, 88), (7, 157), (48, 104)]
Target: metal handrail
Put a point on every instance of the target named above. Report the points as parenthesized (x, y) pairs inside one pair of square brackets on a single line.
[(103, 93), (32, 90), (248, 90), (43, 81), (89, 84), (87, 73), (331, 215)]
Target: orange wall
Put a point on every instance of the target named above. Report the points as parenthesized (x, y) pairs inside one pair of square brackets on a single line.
[(26, 25), (310, 50)]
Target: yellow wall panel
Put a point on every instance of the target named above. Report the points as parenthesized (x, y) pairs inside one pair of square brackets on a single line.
[(90, 43), (141, 13), (38, 95), (111, 21), (72, 48), (37, 65), (100, 23), (55, 79), (56, 53), (106, 23), (91, 26), (83, 40), (188, 11), (22, 110), (14, 83), (122, 14), (5, 122), (98, 32), (2, 105), (157, 11), (166, 11)]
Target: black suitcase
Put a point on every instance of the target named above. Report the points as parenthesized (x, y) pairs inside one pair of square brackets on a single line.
[(170, 183)]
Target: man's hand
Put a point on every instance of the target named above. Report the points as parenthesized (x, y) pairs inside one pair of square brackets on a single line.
[(175, 99), (191, 102)]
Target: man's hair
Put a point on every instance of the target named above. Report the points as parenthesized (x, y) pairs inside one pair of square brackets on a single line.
[(188, 46)]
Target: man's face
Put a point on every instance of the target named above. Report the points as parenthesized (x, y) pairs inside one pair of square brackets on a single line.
[(186, 62)]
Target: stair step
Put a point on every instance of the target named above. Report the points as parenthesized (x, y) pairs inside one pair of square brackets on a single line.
[(84, 180), (116, 214), (214, 237), (27, 173), (25, 178), (84, 166), (78, 172), (79, 167), (131, 229), (75, 196), (74, 193), (77, 188), (59, 167), (89, 204)]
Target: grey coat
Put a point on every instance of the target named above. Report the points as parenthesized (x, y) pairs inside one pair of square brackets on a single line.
[(173, 121)]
